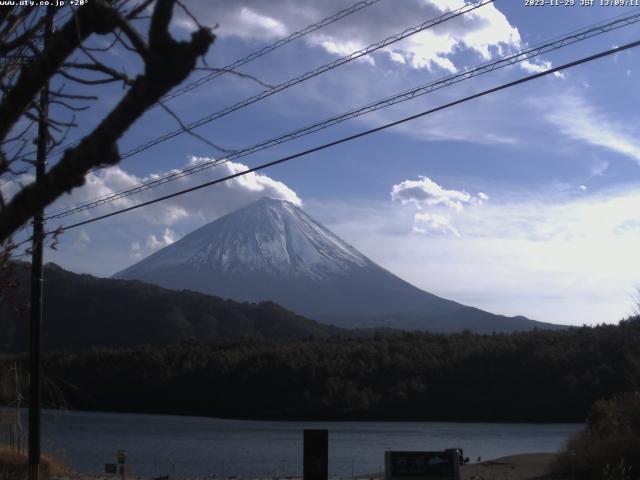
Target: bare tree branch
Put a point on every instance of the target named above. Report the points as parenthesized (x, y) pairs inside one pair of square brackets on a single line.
[(100, 67), (167, 63), (95, 17), (190, 131)]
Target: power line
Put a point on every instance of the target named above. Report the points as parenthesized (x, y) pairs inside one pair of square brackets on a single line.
[(311, 74), (558, 43), (364, 133), (263, 166), (308, 75), (13, 176), (248, 58), (270, 48)]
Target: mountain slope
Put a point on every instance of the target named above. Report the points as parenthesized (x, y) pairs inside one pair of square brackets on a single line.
[(82, 311), (272, 250)]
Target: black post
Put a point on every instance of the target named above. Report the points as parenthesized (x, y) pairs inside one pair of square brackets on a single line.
[(316, 455), (35, 367)]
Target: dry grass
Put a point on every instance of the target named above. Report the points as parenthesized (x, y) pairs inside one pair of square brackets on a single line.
[(591, 456), (14, 465)]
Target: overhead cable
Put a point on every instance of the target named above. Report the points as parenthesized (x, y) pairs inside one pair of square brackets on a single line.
[(505, 61), (263, 166)]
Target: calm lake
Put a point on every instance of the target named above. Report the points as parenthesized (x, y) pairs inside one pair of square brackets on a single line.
[(207, 447)]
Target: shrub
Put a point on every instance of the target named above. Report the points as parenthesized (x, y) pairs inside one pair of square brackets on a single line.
[(609, 447), (14, 465)]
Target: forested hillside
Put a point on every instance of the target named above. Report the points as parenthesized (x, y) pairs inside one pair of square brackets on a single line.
[(534, 376), (81, 311)]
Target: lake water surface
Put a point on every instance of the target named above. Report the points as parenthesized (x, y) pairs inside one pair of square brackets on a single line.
[(206, 447)]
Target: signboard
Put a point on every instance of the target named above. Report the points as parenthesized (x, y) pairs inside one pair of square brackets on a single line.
[(443, 465)]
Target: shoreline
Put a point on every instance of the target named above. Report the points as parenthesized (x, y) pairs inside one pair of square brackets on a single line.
[(524, 466), (289, 419)]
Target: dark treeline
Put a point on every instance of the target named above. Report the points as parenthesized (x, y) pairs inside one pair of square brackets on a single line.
[(534, 376), (81, 311)]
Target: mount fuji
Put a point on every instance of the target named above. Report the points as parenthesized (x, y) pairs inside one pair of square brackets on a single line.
[(272, 250)]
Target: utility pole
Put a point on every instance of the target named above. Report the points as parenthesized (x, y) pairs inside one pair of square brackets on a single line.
[(35, 366)]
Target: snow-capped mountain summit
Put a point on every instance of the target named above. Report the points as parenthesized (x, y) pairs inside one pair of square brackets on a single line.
[(272, 250), (267, 237)]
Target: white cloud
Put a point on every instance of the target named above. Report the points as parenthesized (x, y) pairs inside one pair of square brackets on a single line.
[(247, 23), (492, 30), (426, 192), (156, 243), (218, 199), (579, 121), (135, 234), (538, 67), (484, 31), (342, 49), (253, 21), (570, 260), (424, 222), (453, 45)]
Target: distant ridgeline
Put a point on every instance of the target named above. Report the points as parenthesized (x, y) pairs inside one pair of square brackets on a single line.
[(82, 311), (180, 352), (532, 376), (273, 250)]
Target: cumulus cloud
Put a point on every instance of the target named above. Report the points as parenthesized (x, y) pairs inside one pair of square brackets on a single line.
[(426, 192), (208, 204), (572, 260), (156, 243), (133, 235), (486, 31), (167, 238), (464, 41)]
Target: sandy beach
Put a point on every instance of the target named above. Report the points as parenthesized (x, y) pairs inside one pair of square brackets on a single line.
[(526, 466)]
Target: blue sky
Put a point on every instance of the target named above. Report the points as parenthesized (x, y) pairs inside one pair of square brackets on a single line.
[(523, 202)]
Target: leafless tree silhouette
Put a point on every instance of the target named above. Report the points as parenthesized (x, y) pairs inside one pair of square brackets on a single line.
[(80, 68)]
